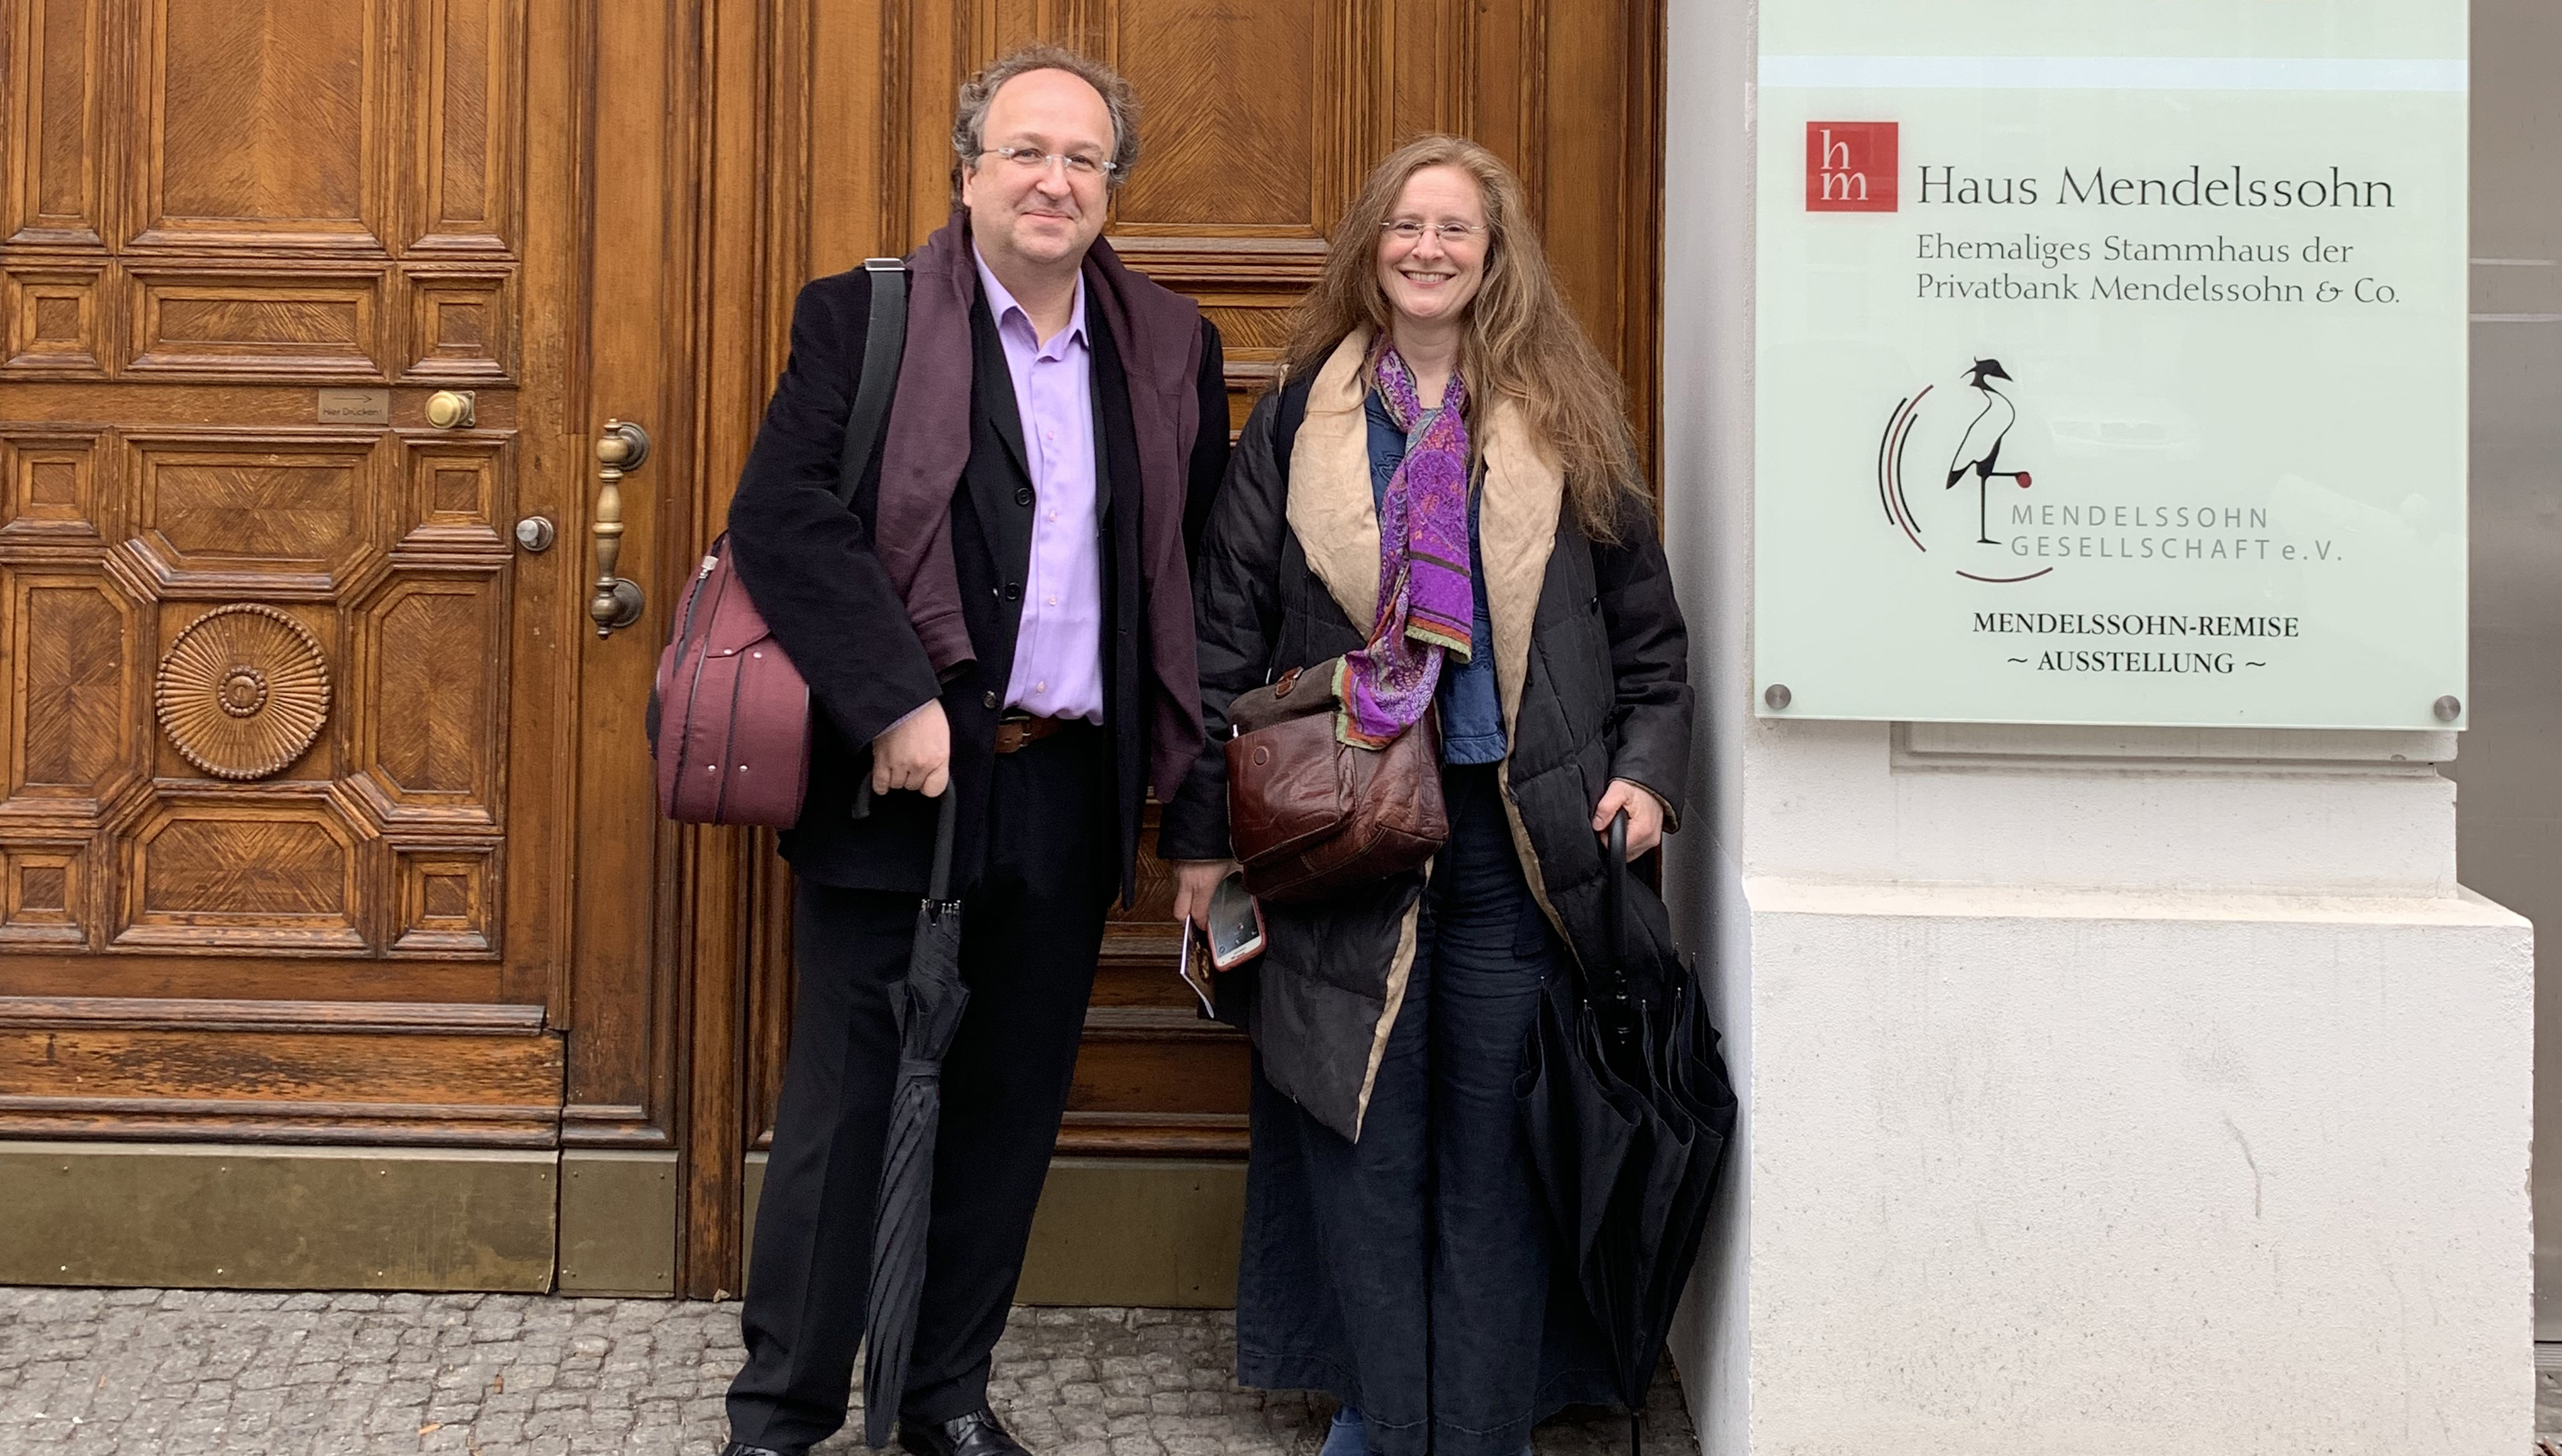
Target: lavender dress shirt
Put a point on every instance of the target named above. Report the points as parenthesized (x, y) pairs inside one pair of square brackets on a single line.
[(1058, 649)]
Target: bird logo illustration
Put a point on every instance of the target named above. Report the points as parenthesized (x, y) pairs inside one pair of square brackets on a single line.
[(1980, 450), (1977, 454)]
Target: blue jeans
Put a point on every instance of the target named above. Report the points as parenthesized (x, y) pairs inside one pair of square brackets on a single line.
[(1407, 1274)]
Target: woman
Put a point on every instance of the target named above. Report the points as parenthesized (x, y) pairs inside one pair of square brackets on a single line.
[(1395, 1252)]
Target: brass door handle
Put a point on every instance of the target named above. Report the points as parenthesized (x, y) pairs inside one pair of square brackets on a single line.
[(618, 450)]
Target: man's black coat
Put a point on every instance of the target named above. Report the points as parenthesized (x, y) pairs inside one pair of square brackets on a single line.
[(807, 562)]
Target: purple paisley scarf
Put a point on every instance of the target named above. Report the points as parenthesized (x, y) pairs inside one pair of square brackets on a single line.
[(1426, 605)]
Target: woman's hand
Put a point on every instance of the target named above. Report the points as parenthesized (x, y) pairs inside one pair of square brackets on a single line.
[(1645, 814), (1194, 880)]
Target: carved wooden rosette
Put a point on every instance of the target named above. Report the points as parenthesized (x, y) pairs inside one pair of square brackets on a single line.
[(244, 692)]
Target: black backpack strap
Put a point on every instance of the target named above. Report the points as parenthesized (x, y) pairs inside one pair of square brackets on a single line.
[(1286, 419), (1287, 416), (884, 343)]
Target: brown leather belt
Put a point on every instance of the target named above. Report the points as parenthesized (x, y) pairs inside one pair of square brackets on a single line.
[(1014, 730)]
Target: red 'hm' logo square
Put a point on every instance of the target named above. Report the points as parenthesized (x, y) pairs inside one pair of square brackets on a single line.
[(1850, 166)]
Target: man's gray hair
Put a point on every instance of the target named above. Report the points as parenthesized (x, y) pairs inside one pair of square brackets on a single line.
[(970, 117)]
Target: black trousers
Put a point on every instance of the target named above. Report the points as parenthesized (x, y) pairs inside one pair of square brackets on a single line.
[(1030, 929)]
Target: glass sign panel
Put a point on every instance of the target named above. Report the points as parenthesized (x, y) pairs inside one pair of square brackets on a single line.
[(2111, 362)]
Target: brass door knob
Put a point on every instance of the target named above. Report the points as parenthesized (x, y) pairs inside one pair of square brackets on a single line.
[(450, 409)]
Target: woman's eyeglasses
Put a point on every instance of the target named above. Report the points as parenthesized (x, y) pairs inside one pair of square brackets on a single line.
[(1412, 230)]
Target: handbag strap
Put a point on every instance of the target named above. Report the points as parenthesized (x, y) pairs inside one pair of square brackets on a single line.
[(884, 342)]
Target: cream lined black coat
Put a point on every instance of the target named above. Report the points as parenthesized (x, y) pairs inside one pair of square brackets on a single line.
[(1590, 664)]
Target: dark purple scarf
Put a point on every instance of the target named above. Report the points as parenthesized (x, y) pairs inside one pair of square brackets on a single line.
[(1157, 334)]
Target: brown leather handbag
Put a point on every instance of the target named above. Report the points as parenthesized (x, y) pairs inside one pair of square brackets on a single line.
[(1311, 817)]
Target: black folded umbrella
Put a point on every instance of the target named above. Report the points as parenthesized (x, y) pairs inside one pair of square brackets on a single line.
[(1629, 1111), (927, 1006)]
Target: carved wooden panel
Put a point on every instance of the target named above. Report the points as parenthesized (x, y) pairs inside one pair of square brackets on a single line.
[(48, 488), (460, 326), (43, 885), (463, 119), (278, 872), (282, 1071), (445, 899), (54, 140), (451, 500), (262, 123), (431, 661), (1263, 158), (298, 513), (53, 321), (303, 325), (72, 706)]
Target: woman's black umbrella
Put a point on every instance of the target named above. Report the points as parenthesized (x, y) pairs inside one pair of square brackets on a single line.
[(927, 1006), (1629, 1111)]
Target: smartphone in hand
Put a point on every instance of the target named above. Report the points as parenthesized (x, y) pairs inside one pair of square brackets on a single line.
[(1235, 925)]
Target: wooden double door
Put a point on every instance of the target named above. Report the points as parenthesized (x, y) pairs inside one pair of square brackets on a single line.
[(325, 810)]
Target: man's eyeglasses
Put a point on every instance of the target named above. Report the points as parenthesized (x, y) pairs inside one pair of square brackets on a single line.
[(1412, 230), (1080, 164)]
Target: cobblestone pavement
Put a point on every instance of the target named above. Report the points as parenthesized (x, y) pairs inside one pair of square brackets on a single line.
[(151, 1372)]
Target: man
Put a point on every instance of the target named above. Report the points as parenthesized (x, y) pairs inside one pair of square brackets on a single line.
[(1006, 610)]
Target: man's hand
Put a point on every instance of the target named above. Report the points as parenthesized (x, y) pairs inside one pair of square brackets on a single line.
[(914, 753), (1194, 880), (1645, 814)]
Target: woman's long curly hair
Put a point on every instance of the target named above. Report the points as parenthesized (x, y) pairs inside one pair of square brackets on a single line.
[(1519, 342)]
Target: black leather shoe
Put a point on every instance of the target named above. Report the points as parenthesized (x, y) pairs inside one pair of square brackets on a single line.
[(975, 1434), (742, 1448)]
